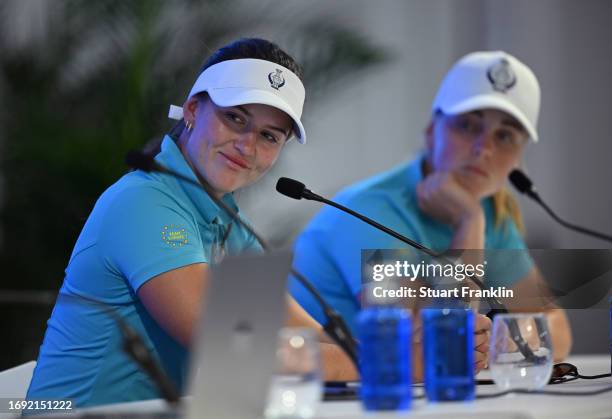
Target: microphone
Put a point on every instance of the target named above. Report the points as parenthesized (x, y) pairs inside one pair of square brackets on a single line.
[(136, 349), (523, 184), (335, 327), (297, 190)]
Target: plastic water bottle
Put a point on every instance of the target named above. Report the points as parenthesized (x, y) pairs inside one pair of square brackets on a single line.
[(385, 335), (448, 351)]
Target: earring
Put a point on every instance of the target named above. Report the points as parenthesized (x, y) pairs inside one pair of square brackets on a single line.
[(189, 125)]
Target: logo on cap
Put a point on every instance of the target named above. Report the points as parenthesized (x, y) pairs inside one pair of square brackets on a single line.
[(276, 79), (501, 76)]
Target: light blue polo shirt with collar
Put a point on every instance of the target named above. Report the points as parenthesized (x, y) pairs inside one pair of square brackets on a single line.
[(328, 251), (142, 226)]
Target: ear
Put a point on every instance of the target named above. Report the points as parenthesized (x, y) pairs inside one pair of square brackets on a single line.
[(189, 109)]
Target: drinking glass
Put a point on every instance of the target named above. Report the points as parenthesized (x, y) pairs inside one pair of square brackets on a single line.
[(521, 351), (296, 387)]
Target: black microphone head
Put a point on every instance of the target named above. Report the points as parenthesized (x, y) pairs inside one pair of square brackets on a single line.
[(520, 181), (290, 187), (137, 159)]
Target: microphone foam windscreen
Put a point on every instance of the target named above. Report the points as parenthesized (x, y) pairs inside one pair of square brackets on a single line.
[(520, 181), (290, 187)]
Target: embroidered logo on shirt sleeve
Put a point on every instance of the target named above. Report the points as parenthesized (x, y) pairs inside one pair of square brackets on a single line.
[(174, 235)]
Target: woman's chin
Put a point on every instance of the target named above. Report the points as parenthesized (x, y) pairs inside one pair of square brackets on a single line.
[(479, 192), (228, 181), (475, 185), (225, 186)]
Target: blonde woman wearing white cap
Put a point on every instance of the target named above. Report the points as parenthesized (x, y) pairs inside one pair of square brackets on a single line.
[(451, 197), (146, 248)]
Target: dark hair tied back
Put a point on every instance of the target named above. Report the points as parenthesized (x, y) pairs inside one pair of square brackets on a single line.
[(256, 48)]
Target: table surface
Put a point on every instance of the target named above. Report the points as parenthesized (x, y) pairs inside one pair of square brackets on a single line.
[(515, 406)]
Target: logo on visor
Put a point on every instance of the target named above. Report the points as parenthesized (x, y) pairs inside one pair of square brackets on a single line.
[(276, 79), (501, 76)]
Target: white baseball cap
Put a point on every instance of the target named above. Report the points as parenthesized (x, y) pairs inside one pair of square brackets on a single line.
[(491, 79), (249, 80)]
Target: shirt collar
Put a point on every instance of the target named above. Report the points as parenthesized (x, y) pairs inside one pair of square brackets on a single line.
[(172, 158)]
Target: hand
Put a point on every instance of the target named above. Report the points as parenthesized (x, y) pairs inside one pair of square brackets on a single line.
[(482, 333), (442, 197)]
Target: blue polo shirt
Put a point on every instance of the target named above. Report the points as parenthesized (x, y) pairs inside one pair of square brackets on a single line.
[(142, 226), (328, 251)]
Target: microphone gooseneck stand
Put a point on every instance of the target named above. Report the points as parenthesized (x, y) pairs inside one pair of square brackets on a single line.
[(335, 327), (297, 190), (524, 185)]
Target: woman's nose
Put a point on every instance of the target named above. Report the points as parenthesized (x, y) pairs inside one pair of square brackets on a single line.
[(483, 143), (246, 142)]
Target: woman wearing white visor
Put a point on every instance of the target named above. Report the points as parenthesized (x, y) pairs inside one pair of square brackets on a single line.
[(146, 248), (452, 196)]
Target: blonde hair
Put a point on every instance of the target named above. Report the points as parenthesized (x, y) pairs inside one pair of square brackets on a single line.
[(505, 206)]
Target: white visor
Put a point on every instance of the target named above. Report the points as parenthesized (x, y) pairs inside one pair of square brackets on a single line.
[(246, 81)]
